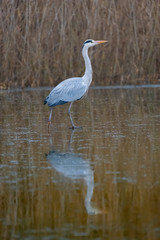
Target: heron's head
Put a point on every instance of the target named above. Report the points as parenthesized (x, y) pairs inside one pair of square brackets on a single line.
[(90, 43)]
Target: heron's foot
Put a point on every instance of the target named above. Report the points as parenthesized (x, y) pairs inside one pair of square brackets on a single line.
[(98, 211), (76, 127)]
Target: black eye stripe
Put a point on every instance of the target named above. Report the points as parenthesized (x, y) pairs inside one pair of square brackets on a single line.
[(88, 41)]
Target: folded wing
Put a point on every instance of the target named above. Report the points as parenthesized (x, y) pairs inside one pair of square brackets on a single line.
[(69, 90)]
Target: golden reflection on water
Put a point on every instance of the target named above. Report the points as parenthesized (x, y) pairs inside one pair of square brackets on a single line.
[(101, 182)]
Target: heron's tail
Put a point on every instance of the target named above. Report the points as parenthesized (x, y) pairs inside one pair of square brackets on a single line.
[(45, 100)]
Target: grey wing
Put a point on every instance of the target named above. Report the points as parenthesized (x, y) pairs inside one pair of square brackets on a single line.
[(67, 91)]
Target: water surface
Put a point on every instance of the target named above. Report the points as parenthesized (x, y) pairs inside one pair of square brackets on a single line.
[(101, 182)]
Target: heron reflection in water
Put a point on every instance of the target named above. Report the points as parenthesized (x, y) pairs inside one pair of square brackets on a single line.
[(74, 167)]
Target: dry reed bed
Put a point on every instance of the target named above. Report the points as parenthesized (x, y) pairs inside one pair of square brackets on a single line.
[(40, 41)]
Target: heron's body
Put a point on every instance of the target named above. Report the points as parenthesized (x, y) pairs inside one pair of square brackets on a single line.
[(69, 90), (75, 88)]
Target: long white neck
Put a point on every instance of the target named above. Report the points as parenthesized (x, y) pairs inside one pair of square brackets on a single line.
[(88, 67)]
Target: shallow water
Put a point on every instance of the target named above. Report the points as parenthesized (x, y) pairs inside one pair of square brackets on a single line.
[(101, 182)]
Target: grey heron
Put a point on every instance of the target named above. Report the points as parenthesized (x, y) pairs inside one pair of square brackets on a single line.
[(75, 88)]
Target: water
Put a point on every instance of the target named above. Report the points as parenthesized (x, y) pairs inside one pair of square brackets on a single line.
[(101, 182)]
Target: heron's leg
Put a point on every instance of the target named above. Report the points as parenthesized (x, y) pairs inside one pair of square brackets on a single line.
[(50, 116), (69, 112)]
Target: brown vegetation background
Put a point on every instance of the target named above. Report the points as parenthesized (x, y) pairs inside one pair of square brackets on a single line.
[(40, 41)]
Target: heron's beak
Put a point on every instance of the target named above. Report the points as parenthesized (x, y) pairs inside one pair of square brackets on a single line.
[(101, 41)]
